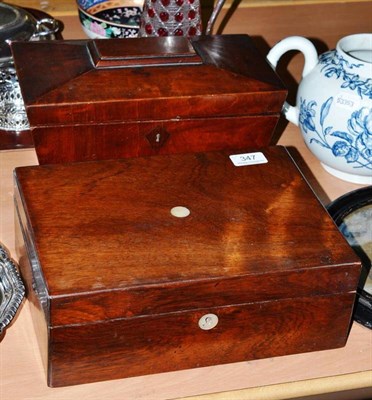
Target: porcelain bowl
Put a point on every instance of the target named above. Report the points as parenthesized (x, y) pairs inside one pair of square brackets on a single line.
[(106, 19)]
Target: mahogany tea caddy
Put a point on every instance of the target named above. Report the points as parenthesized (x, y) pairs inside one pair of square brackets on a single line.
[(108, 99)]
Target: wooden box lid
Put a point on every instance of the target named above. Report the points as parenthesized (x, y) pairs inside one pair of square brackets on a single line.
[(101, 81), (106, 244)]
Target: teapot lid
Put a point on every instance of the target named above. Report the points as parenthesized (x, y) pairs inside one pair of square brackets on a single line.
[(15, 24)]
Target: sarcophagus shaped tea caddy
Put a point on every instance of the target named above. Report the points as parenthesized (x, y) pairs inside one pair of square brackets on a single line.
[(106, 99)]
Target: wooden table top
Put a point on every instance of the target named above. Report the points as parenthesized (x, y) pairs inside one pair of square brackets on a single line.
[(21, 370)]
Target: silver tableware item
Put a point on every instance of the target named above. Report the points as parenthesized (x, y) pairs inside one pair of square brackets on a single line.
[(12, 290), (17, 24)]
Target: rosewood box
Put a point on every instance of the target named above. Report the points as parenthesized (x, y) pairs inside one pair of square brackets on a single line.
[(151, 264), (107, 99)]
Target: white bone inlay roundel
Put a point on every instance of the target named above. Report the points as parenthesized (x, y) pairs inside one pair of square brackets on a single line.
[(208, 321), (180, 212)]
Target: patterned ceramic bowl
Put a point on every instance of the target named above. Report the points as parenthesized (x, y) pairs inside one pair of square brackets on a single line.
[(105, 19)]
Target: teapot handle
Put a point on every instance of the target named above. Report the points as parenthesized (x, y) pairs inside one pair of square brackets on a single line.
[(311, 59)]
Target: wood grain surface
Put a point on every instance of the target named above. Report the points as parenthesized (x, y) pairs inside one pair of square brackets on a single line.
[(168, 342), (146, 96), (258, 249)]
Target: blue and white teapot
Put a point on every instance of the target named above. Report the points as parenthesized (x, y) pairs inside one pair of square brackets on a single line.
[(334, 104)]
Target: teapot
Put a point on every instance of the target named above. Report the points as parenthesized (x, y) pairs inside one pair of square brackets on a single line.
[(334, 104)]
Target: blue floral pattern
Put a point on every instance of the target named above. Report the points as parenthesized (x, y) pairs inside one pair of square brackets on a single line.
[(334, 65), (354, 145)]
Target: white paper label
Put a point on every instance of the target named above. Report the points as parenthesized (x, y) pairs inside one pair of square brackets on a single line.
[(347, 100), (240, 160)]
